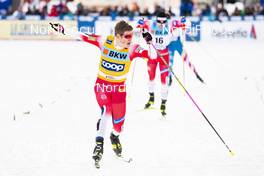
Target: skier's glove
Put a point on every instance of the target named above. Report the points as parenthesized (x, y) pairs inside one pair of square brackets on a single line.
[(147, 36), (57, 27), (142, 24), (179, 24)]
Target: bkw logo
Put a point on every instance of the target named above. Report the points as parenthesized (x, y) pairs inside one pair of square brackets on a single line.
[(113, 66), (115, 54)]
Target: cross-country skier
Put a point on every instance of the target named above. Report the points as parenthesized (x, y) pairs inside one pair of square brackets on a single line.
[(177, 44), (179, 28), (110, 90), (162, 33)]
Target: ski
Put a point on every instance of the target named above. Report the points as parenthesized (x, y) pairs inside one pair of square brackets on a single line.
[(124, 158), (146, 109), (121, 158)]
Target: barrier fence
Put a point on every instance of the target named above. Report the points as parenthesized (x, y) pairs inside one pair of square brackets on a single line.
[(232, 28)]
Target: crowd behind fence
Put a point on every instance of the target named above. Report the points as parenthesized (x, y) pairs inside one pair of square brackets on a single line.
[(71, 9)]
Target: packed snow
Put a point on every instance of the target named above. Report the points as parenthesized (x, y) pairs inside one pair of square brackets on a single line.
[(49, 112)]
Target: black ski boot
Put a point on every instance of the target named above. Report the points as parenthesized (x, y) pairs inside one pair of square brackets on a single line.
[(163, 107), (150, 101), (116, 145), (98, 151)]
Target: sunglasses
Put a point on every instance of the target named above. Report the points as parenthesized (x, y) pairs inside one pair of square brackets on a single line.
[(128, 36), (162, 21)]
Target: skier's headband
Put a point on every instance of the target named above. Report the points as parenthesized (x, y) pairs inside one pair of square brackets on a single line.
[(161, 20)]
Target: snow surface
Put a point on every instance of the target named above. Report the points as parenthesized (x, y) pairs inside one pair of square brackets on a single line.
[(48, 113)]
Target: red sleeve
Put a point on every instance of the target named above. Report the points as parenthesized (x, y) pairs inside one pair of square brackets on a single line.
[(92, 39), (137, 51)]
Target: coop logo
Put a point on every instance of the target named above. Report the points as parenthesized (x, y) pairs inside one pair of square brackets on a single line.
[(115, 54), (113, 66)]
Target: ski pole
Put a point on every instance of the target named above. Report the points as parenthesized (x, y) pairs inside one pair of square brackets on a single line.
[(133, 73), (132, 79), (183, 72), (192, 67), (196, 105)]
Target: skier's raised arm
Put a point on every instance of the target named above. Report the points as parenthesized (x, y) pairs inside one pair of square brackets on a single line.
[(89, 38)]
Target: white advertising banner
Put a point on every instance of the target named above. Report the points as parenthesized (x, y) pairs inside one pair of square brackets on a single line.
[(232, 30)]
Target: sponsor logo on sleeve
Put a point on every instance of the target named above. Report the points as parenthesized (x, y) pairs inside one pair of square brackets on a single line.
[(109, 41)]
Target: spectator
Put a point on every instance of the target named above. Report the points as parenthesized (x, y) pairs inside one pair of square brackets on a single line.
[(113, 11), (206, 11), (261, 10), (186, 8), (220, 11), (105, 11), (124, 11), (145, 12), (43, 9), (237, 12), (18, 14), (134, 9), (5, 7), (170, 13), (158, 10), (53, 12), (249, 10), (70, 8)]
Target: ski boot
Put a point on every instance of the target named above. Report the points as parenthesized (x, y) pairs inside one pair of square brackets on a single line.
[(163, 108), (98, 151), (116, 145), (150, 101)]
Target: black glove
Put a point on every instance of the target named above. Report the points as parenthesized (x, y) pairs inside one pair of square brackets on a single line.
[(57, 27), (147, 36)]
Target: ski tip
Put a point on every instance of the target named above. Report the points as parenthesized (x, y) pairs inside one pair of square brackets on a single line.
[(150, 108), (97, 165), (125, 159), (146, 109), (162, 117), (129, 160), (164, 114)]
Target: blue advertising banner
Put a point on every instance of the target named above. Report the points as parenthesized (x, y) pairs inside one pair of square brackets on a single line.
[(193, 33), (86, 25)]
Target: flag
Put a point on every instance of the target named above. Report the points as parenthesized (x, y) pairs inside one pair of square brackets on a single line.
[(253, 33)]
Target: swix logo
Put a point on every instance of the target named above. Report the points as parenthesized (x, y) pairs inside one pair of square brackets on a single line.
[(162, 32), (113, 66)]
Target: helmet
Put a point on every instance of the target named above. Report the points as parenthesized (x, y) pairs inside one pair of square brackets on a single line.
[(162, 17)]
